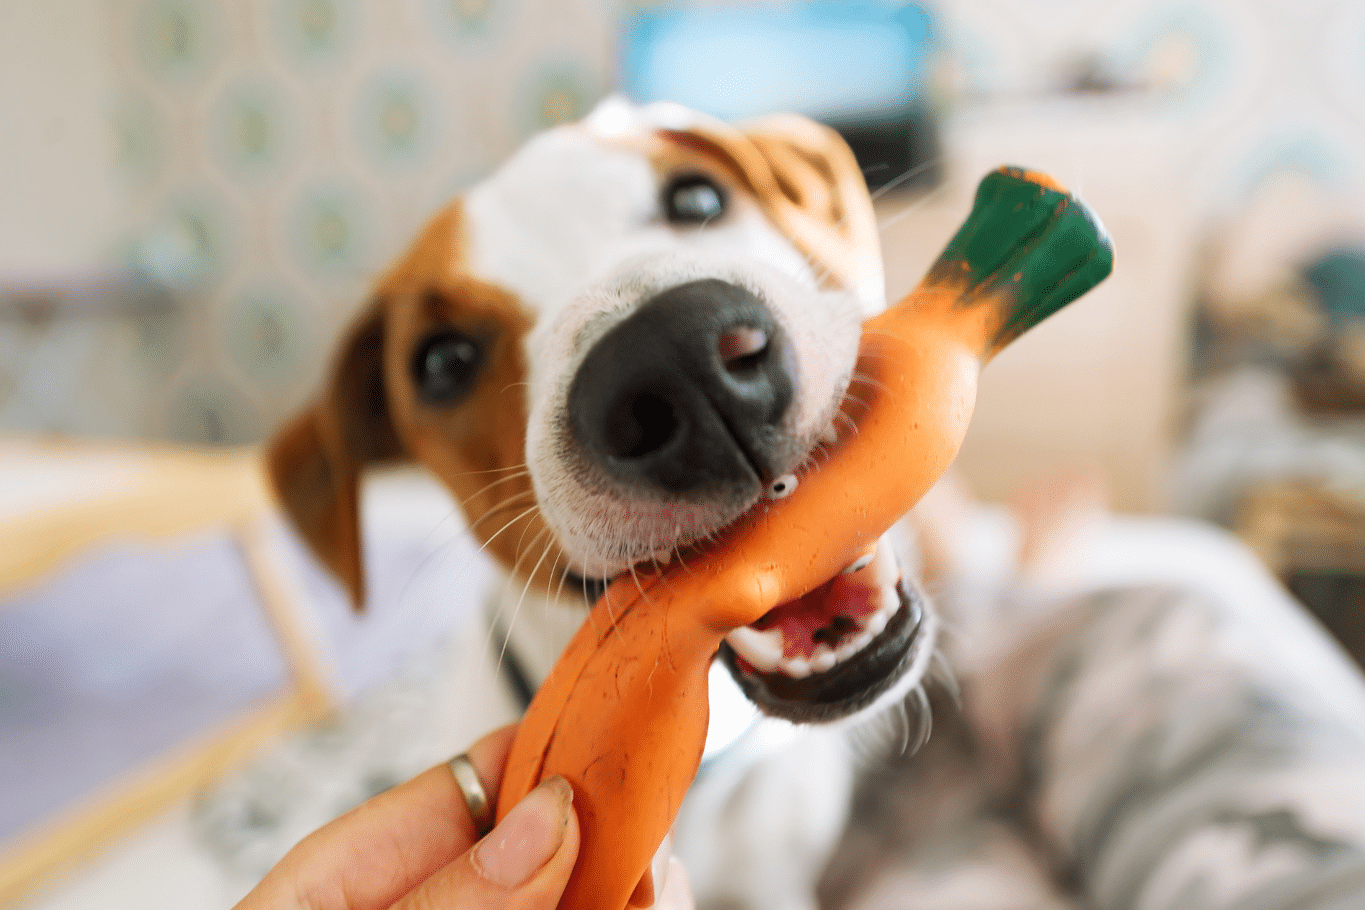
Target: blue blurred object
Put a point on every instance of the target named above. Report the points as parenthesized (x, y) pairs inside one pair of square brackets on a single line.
[(861, 67), (1338, 280)]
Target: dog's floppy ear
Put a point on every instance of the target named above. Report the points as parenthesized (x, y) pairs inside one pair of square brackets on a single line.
[(315, 460)]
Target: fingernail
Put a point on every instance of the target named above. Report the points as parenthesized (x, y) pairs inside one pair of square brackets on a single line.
[(525, 840)]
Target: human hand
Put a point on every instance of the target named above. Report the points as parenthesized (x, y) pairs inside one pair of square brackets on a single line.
[(416, 846)]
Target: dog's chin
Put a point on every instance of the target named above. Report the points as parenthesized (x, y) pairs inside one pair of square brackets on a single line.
[(861, 640)]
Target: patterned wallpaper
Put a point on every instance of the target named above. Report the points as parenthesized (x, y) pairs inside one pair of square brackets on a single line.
[(1244, 88), (276, 153)]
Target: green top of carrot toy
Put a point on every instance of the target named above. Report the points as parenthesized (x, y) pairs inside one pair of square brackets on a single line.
[(1027, 240)]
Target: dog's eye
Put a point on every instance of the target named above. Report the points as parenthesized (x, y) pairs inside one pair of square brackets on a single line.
[(693, 199), (445, 366)]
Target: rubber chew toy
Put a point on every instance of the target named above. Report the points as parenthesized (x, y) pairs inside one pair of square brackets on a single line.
[(623, 715)]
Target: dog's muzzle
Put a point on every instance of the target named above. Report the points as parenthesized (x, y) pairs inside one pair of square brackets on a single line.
[(687, 399)]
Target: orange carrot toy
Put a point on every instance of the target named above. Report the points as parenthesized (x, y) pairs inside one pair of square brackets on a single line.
[(623, 715)]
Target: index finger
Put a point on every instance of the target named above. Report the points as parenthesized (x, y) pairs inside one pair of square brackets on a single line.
[(382, 849)]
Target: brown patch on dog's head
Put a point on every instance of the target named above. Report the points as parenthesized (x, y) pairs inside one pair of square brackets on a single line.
[(375, 408), (429, 308), (807, 181)]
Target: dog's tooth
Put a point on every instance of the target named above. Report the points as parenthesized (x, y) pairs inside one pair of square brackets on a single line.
[(862, 562), (796, 668), (761, 649), (888, 566), (877, 622), (891, 599), (823, 659), (850, 648), (830, 434), (663, 557)]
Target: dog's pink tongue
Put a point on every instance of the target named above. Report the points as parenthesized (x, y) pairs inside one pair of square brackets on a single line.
[(838, 610)]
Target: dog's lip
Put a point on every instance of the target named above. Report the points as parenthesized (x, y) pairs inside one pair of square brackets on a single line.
[(850, 685)]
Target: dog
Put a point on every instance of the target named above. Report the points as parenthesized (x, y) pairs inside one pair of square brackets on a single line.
[(610, 350)]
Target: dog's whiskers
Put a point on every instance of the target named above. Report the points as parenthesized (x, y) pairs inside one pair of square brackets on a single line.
[(635, 577), (861, 403), (887, 223), (900, 714), (563, 579), (512, 575), (849, 424), (520, 468), (941, 672), (865, 379), (554, 572), (606, 599), (516, 563), (533, 508), (511, 502), (919, 201), (525, 589), (909, 173), (466, 532), (524, 472), (924, 716)]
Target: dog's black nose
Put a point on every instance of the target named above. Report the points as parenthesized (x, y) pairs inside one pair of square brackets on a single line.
[(688, 393)]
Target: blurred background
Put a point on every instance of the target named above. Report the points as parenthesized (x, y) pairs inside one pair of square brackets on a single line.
[(195, 196)]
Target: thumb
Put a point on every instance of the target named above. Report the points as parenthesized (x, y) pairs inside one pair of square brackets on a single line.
[(522, 864)]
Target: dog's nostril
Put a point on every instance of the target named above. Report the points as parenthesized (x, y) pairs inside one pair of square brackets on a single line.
[(641, 428), (741, 349)]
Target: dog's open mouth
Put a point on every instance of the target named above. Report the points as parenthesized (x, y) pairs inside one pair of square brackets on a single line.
[(834, 651), (837, 649)]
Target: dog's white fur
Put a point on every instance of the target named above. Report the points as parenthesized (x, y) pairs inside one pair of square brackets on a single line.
[(555, 249), (758, 825), (571, 226)]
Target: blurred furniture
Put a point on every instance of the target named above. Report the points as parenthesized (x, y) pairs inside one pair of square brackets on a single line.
[(1313, 539), (108, 718), (1139, 730), (89, 353), (1275, 444), (160, 622), (1152, 723), (862, 68)]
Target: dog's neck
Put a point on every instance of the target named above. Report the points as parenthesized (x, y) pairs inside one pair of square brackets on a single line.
[(529, 631)]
